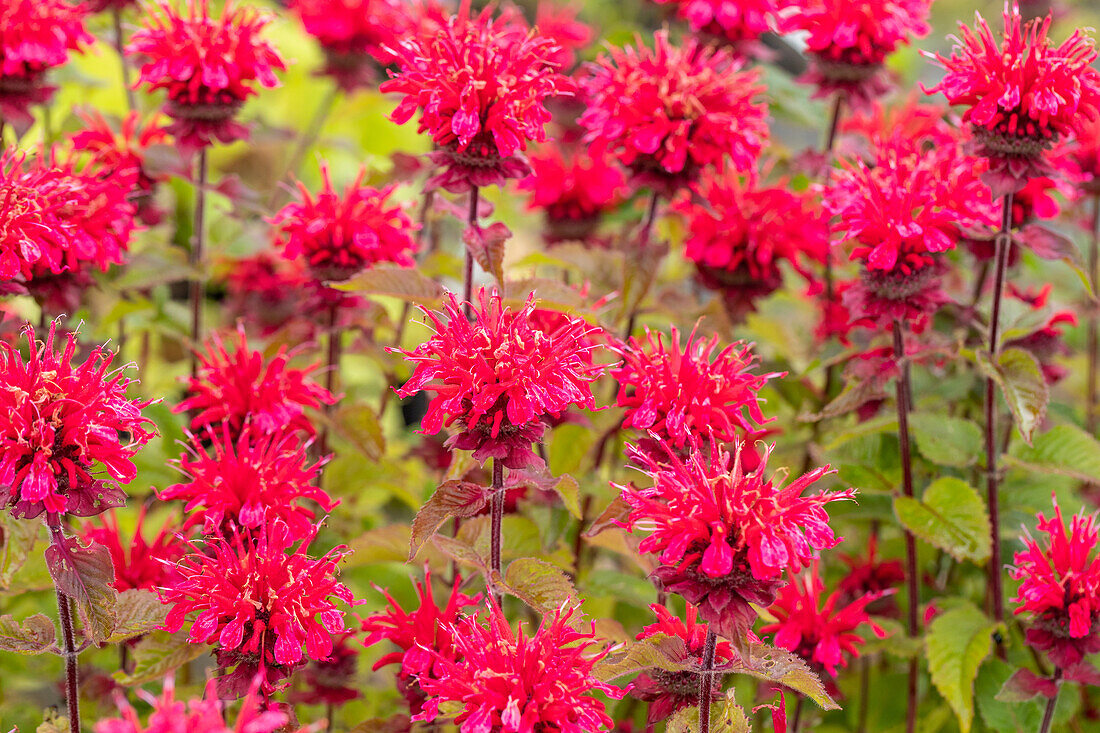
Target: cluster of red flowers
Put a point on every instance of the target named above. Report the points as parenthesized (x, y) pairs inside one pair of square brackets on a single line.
[(208, 66), (574, 188), (138, 563), (671, 112), (499, 377), (479, 83), (338, 236), (354, 35), (61, 422), (734, 23), (725, 535)]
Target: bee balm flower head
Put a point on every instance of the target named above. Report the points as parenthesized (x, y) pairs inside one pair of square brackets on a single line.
[(353, 35)]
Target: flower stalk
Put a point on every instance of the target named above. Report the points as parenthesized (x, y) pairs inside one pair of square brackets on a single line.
[(468, 272), (1048, 713), (198, 242), (904, 396), (830, 142), (497, 525), (332, 367), (68, 639), (706, 680), (1003, 247)]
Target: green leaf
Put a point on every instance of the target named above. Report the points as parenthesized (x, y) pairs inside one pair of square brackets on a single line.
[(1000, 715), (726, 716), (138, 612), (945, 440), (1064, 449), (451, 499), (568, 445), (17, 538), (539, 584), (34, 636), (686, 720), (660, 651), (950, 516), (956, 643), (358, 424), (393, 281), (779, 665), (85, 575), (1025, 389), (158, 654), (567, 488)]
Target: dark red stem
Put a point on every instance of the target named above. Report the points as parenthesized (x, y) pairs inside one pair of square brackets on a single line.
[(830, 141), (706, 680), (68, 639), (198, 240), (911, 579), (468, 276), (1003, 248), (1048, 714), (497, 526)]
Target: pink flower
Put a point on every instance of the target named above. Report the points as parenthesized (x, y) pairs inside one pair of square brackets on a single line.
[(28, 237), (740, 231), (243, 386), (573, 190), (724, 536), (508, 681), (35, 36), (676, 393), (1021, 94), (68, 433), (849, 40), (242, 479), (419, 635), (339, 235), (208, 66), (479, 85), (353, 35), (732, 21), (670, 112), (137, 563), (123, 151), (820, 630), (1060, 588), (669, 692), (260, 598), (206, 714), (499, 377)]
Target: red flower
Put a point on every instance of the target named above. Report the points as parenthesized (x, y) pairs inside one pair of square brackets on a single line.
[(740, 231), (1021, 94), (68, 433), (137, 563), (1061, 588), (669, 692), (899, 215), (124, 151), (732, 21), (1084, 153), (29, 238), (867, 574), (1047, 341), (206, 714), (208, 66), (340, 235), (676, 393), (559, 23), (35, 36), (261, 599), (330, 681), (815, 628), (499, 377), (926, 126), (353, 35), (849, 40), (573, 191), (242, 479), (243, 386), (480, 85), (426, 631), (671, 112), (508, 681), (724, 535)]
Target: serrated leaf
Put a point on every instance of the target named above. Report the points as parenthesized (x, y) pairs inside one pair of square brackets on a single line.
[(726, 716), (461, 552), (998, 715), (1064, 449), (685, 720), (158, 654), (945, 440), (486, 246), (34, 636), (613, 516), (86, 574), (957, 642), (660, 651), (569, 491), (54, 722), (396, 282), (138, 612), (358, 424), (950, 516), (785, 668), (451, 499), (378, 545), (539, 584), (17, 538), (1023, 385)]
